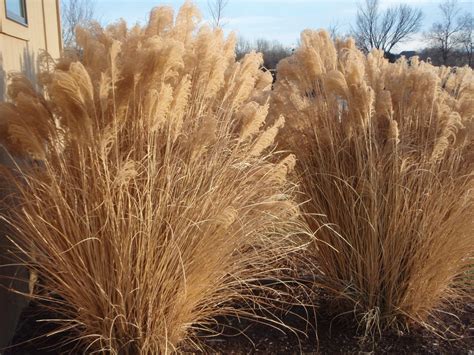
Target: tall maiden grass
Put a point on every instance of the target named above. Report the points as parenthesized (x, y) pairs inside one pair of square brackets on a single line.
[(155, 200), (385, 153)]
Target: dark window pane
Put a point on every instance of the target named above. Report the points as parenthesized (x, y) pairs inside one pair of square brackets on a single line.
[(16, 10)]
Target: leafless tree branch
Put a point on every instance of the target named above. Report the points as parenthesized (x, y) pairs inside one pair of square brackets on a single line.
[(384, 30), (466, 36), (75, 13), (452, 32), (216, 10), (335, 31), (273, 51)]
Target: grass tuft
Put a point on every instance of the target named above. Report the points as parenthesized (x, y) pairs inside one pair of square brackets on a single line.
[(156, 201), (384, 152)]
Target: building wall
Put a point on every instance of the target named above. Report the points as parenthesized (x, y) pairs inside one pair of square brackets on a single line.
[(19, 49), (20, 45)]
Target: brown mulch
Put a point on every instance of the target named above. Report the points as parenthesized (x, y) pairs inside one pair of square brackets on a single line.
[(238, 336), (340, 335)]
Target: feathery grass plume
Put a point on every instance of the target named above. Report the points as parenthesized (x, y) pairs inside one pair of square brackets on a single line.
[(157, 201), (385, 153)]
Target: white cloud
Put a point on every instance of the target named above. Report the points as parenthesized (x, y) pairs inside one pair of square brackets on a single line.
[(414, 44)]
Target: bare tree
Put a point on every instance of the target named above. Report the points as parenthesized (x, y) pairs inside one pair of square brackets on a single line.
[(384, 30), (444, 35), (75, 13), (465, 36), (216, 9), (242, 47), (335, 31), (273, 51)]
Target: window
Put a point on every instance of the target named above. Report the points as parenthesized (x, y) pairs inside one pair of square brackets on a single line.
[(16, 11)]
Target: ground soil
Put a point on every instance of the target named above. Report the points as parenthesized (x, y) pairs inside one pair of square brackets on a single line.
[(339, 334), (237, 336)]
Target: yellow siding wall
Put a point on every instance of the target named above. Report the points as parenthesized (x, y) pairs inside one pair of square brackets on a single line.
[(20, 45), (19, 48)]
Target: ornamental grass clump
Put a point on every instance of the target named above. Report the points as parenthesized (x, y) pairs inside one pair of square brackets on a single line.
[(385, 152), (154, 200)]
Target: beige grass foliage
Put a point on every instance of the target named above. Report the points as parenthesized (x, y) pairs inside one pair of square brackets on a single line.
[(156, 200), (385, 153)]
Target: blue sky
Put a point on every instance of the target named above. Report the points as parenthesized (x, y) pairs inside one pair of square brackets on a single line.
[(281, 20)]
